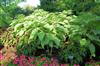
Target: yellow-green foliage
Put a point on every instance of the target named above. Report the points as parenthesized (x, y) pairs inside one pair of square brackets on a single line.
[(43, 28)]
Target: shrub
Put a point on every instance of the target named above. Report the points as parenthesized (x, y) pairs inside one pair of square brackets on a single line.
[(60, 5), (42, 29), (72, 54), (83, 36)]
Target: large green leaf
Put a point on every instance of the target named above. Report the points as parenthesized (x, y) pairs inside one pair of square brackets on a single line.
[(41, 35), (57, 41), (33, 34)]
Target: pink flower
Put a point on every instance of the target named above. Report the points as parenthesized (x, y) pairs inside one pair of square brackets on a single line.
[(51, 65), (0, 52), (75, 65), (1, 57), (31, 59), (22, 57), (21, 64), (15, 62), (2, 65), (25, 63), (17, 59)]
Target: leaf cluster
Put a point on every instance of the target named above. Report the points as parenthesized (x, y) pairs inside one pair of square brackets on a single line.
[(42, 28)]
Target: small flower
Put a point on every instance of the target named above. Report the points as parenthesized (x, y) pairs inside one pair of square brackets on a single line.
[(17, 59), (15, 62), (75, 65), (2, 65), (1, 57), (31, 59), (20, 64), (51, 65), (0, 52), (22, 57)]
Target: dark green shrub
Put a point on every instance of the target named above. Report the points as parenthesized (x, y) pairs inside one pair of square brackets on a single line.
[(73, 54), (96, 9), (60, 5), (83, 36)]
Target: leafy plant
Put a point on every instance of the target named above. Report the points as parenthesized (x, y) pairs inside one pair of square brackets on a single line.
[(42, 29), (72, 54), (83, 36)]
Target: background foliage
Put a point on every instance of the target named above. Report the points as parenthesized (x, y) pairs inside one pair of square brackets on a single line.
[(77, 6), (9, 11), (6, 9)]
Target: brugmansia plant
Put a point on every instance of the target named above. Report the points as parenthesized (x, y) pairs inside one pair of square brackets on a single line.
[(42, 28)]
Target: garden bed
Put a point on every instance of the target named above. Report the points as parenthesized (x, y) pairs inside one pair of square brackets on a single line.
[(8, 57)]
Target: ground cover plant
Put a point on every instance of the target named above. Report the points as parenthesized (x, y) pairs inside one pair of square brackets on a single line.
[(58, 33)]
